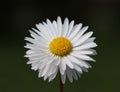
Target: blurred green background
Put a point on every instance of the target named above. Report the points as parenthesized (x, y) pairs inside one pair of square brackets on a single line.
[(18, 16)]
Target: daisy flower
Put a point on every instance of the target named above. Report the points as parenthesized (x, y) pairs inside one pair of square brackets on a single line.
[(60, 47)]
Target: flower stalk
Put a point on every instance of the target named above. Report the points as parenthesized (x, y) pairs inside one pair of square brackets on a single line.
[(60, 84)]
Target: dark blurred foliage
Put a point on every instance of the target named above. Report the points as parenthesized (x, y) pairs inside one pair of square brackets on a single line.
[(18, 16)]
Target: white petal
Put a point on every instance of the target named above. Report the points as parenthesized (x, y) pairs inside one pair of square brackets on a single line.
[(36, 46), (74, 74), (78, 73), (59, 26), (33, 55), (40, 73), (34, 35), (52, 67), (81, 32), (62, 67), (84, 69), (68, 63), (45, 61), (78, 62), (31, 40), (36, 53), (73, 60), (37, 31), (83, 57), (57, 60), (65, 27), (83, 39), (44, 31), (53, 75), (75, 31), (69, 74), (46, 69), (29, 52), (35, 66), (40, 64), (48, 31), (70, 28), (94, 51), (53, 31), (51, 70), (63, 78), (36, 42), (84, 52), (38, 57), (55, 27), (86, 46), (51, 59), (88, 41), (77, 68), (39, 38)]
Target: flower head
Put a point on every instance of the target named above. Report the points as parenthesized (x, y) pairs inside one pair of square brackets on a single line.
[(54, 47)]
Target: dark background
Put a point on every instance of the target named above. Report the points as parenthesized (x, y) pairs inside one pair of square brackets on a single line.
[(18, 16)]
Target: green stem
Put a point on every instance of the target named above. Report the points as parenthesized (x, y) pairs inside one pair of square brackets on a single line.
[(60, 84)]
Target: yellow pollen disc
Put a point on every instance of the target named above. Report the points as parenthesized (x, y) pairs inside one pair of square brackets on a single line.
[(60, 46)]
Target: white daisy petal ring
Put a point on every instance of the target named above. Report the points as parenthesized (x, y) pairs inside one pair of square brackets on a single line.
[(60, 47)]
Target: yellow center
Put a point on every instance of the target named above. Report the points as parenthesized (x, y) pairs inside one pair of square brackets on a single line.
[(60, 46)]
